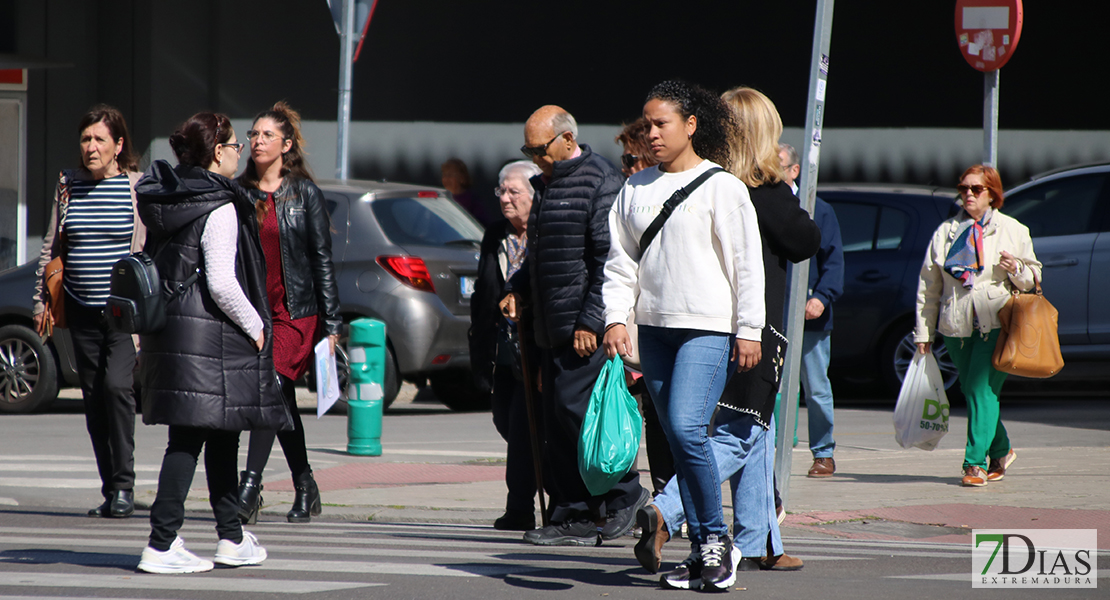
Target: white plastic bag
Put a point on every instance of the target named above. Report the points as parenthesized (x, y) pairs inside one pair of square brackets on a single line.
[(921, 415)]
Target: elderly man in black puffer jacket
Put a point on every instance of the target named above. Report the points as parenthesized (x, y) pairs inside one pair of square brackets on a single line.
[(568, 242)]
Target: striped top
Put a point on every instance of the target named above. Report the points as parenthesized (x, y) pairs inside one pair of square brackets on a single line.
[(99, 221)]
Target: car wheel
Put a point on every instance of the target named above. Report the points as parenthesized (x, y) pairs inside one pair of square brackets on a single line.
[(455, 389), (898, 353), (28, 375)]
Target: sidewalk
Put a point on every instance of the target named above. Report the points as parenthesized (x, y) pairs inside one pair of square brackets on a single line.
[(880, 491)]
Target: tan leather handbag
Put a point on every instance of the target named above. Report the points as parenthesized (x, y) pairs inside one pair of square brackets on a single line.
[(1028, 344)]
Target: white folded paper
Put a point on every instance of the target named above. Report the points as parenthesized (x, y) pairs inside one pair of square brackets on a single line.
[(327, 378)]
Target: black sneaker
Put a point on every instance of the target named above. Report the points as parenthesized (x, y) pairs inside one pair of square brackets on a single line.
[(718, 571), (619, 522), (687, 576), (567, 533)]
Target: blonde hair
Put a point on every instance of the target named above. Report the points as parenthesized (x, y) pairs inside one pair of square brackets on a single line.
[(755, 151)]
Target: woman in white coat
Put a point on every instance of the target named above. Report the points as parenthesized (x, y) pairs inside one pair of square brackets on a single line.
[(973, 262)]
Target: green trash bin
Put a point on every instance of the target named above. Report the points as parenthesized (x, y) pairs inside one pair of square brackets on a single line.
[(366, 387)]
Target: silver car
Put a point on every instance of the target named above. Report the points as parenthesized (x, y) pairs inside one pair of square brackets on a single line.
[(404, 254)]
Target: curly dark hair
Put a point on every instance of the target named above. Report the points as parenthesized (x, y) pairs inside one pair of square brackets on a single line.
[(195, 141), (717, 124)]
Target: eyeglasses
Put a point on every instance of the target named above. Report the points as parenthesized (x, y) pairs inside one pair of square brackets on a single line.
[(629, 160), (531, 151), (237, 147), (974, 189), (499, 191), (267, 136)]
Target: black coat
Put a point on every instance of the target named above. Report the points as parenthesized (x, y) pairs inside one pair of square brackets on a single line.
[(203, 370), (568, 243), (788, 233), (485, 316), (304, 230)]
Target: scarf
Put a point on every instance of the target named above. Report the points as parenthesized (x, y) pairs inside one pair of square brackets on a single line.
[(965, 257)]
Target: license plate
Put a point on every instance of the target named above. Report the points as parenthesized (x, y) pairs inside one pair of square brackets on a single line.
[(466, 286)]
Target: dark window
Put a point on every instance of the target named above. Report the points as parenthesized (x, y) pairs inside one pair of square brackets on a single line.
[(865, 227), (892, 228), (425, 222), (857, 225), (1061, 207)]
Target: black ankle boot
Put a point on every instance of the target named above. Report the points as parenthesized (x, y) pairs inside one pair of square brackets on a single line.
[(307, 502), (123, 504), (250, 496)]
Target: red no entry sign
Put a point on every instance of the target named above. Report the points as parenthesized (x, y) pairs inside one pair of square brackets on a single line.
[(988, 31)]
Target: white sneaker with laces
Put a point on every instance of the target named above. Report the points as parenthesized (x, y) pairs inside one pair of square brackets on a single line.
[(175, 560), (246, 552)]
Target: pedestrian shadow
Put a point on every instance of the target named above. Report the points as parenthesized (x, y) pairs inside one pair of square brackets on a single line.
[(531, 577), (47, 556), (953, 480), (48, 513)]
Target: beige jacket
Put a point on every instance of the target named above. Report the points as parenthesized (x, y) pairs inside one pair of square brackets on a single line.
[(49, 251), (944, 305)]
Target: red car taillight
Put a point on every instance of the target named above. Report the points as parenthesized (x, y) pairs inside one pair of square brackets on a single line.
[(409, 270)]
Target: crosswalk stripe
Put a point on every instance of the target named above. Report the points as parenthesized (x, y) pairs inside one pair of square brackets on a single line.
[(204, 583), (18, 468)]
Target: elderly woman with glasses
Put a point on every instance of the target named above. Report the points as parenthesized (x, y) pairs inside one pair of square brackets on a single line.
[(493, 344), (973, 262)]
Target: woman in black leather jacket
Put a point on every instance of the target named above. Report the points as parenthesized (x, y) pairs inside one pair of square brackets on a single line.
[(300, 281)]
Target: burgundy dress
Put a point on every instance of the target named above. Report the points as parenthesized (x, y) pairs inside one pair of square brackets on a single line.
[(293, 338)]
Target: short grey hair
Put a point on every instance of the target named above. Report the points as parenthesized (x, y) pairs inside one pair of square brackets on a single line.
[(791, 153), (565, 122), (522, 169)]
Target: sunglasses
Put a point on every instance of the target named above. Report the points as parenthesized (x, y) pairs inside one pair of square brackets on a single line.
[(629, 160), (531, 151), (974, 189)]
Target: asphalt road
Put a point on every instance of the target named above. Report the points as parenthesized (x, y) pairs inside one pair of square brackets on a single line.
[(49, 550)]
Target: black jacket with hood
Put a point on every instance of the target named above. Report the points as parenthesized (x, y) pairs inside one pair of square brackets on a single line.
[(203, 370)]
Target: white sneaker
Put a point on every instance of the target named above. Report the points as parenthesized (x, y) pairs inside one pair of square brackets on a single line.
[(246, 552), (175, 560)]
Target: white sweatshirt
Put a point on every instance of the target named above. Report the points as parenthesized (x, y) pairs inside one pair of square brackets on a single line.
[(704, 270), (220, 242)]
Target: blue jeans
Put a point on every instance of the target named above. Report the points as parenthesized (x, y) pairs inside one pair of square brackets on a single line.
[(819, 397), (745, 455), (685, 371)]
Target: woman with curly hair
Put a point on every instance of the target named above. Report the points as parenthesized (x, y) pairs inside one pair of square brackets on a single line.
[(699, 306), (300, 282)]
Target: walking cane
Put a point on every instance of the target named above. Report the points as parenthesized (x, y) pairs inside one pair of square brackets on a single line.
[(529, 403)]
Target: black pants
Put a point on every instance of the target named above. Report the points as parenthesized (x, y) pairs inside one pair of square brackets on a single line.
[(292, 442), (568, 380), (510, 417), (105, 366), (660, 459), (221, 450)]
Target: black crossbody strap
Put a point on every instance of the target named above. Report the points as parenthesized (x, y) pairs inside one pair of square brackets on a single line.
[(668, 207)]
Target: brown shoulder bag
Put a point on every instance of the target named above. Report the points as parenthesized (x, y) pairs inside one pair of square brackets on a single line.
[(1028, 344), (52, 293)]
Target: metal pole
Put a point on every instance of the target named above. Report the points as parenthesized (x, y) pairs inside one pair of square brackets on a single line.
[(799, 279), (990, 118), (346, 48)]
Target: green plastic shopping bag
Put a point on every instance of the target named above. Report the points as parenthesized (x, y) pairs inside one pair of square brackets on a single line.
[(610, 436)]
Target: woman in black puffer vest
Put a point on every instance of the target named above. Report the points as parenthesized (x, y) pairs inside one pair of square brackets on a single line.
[(209, 373)]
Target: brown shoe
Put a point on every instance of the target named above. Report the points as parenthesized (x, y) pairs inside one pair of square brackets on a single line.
[(974, 477), (822, 467), (997, 468), (649, 550), (782, 562)]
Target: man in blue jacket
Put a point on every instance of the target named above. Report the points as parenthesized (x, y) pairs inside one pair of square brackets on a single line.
[(826, 283), (568, 243)]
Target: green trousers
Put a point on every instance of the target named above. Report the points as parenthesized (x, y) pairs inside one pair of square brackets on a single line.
[(981, 384)]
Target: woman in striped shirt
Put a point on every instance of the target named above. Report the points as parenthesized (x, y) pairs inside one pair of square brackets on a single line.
[(92, 225)]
